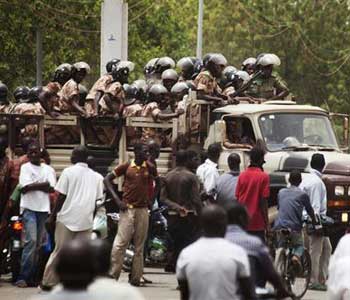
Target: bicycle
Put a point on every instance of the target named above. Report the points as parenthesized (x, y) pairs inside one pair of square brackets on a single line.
[(297, 278)]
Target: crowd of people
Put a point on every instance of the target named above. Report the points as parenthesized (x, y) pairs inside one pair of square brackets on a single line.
[(218, 224), (159, 95)]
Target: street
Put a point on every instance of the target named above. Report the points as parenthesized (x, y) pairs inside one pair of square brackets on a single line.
[(163, 287)]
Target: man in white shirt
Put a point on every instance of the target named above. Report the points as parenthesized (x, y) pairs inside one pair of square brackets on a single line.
[(79, 188), (212, 267), (339, 275), (320, 246), (208, 173), (37, 180)]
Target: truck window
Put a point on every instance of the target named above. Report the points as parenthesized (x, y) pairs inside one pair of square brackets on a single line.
[(290, 130), (239, 133)]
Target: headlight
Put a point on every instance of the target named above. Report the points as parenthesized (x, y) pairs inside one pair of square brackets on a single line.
[(339, 190)]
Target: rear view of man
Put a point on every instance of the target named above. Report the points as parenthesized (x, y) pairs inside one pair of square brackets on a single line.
[(226, 183), (320, 246), (213, 268), (252, 191), (78, 189)]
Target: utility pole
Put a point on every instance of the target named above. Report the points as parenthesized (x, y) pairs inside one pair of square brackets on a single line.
[(114, 31), (200, 28), (39, 56)]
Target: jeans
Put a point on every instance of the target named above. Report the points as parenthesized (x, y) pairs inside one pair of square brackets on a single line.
[(34, 226), (297, 242)]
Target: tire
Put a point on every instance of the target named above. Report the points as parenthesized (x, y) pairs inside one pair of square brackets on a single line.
[(298, 283)]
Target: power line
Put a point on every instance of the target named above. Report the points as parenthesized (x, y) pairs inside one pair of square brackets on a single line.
[(142, 13)]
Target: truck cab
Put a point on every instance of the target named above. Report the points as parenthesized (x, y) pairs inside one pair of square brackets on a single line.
[(290, 135)]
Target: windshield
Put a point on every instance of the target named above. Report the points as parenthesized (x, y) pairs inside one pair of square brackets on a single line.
[(293, 131)]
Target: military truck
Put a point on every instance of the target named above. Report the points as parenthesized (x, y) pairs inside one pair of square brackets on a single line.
[(289, 133)]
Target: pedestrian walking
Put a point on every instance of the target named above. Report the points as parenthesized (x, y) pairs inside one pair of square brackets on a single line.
[(180, 192), (37, 180), (79, 188), (212, 267), (208, 173), (134, 218), (320, 245), (226, 183), (253, 191)]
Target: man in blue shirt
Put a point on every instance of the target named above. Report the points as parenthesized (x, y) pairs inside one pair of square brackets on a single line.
[(291, 203)]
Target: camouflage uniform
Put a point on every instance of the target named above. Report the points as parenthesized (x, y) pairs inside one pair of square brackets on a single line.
[(151, 110), (99, 86), (29, 109), (207, 83), (267, 88), (228, 91), (5, 108), (132, 134), (68, 91), (115, 90)]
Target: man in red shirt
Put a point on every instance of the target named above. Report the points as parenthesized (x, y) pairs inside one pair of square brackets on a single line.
[(253, 191)]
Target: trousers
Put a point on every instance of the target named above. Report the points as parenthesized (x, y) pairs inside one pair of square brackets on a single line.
[(133, 225), (62, 236)]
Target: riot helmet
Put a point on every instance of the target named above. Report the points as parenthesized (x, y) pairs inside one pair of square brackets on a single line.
[(150, 67), (3, 93), (120, 72), (34, 92), (248, 65), (163, 64), (179, 90), (186, 65), (141, 86), (266, 62), (157, 93), (111, 63), (216, 64), (197, 68), (169, 78), (20, 94), (80, 70), (131, 93), (206, 58), (63, 73)]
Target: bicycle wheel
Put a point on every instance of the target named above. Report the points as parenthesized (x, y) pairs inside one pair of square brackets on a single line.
[(298, 280)]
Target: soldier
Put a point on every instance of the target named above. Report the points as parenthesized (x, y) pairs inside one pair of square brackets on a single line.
[(206, 81), (178, 94), (31, 107), (158, 109), (99, 88), (268, 86), (69, 94), (186, 66), (248, 65), (113, 100), (62, 73), (149, 68), (141, 86), (48, 98), (169, 78), (162, 64), (20, 94), (5, 105)]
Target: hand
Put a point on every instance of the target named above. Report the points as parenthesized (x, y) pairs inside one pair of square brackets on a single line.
[(182, 211), (232, 101), (54, 114), (122, 206)]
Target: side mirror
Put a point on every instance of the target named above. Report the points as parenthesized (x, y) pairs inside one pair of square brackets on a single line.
[(341, 128)]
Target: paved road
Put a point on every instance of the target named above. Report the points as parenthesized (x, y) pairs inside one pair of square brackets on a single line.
[(163, 288)]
